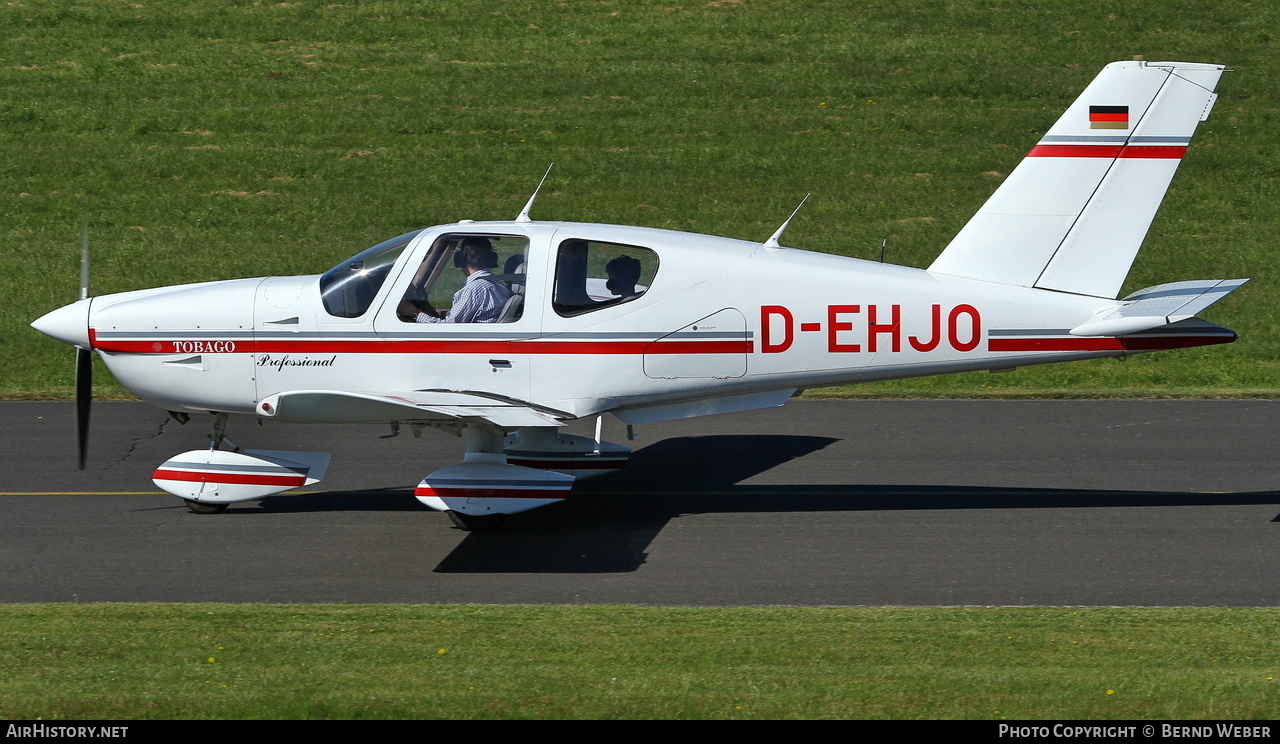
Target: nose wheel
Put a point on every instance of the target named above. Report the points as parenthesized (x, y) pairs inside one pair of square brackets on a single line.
[(475, 522), (197, 507)]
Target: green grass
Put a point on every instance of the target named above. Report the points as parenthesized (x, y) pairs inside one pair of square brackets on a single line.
[(199, 661), (471, 661), (231, 139)]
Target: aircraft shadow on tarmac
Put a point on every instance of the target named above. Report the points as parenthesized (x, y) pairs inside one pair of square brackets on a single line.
[(609, 522)]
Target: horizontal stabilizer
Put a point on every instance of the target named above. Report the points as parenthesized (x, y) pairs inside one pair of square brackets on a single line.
[(1158, 306), (338, 407)]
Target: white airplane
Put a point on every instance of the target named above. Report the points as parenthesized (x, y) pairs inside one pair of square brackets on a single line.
[(508, 330)]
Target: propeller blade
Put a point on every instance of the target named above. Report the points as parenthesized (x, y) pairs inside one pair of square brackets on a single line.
[(84, 396), (84, 357)]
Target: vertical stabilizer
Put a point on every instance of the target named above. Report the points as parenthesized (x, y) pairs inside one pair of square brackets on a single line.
[(1073, 213)]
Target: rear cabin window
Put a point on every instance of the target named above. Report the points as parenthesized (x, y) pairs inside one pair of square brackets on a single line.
[(592, 275)]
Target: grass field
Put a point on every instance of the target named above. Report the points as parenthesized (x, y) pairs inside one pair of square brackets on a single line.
[(219, 140), (475, 662)]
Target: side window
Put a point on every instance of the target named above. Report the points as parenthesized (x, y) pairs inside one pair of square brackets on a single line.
[(591, 275), (468, 278)]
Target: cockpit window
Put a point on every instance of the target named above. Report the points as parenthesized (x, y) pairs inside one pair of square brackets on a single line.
[(348, 289), (591, 275), (468, 278)]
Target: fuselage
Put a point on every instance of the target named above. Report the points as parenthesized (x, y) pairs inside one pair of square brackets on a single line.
[(715, 318)]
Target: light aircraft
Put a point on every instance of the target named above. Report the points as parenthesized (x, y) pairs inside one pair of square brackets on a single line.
[(505, 331)]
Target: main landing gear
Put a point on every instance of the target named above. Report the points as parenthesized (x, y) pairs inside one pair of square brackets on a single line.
[(528, 468), (480, 492)]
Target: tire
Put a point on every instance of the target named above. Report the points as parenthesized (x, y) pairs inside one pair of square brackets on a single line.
[(200, 508), (475, 522)]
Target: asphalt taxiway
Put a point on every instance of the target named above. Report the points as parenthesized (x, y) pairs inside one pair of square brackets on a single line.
[(1130, 503)]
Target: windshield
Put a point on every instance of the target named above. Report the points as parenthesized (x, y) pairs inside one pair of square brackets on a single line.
[(349, 288)]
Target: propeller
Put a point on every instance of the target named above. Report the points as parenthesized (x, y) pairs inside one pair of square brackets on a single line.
[(84, 357), (84, 396)]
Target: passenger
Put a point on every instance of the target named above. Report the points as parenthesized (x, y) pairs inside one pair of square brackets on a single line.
[(480, 300), (624, 273)]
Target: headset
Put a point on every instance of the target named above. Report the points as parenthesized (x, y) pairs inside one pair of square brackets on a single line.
[(460, 255)]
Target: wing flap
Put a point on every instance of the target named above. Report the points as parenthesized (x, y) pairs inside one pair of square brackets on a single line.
[(341, 407)]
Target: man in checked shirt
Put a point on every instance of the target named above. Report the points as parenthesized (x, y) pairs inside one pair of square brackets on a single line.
[(480, 300)]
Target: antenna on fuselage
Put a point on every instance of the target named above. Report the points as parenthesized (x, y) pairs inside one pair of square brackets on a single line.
[(524, 213), (772, 242)]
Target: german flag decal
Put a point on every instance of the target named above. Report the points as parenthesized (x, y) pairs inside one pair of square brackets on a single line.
[(1108, 117)]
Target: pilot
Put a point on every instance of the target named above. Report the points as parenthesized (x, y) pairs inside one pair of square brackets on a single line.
[(481, 299), (624, 272)]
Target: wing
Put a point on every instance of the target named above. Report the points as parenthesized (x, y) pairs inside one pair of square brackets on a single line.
[(340, 407)]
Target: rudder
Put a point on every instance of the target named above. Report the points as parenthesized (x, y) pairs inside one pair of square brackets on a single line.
[(1073, 214)]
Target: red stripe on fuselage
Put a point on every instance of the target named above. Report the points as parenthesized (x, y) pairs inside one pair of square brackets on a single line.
[(1108, 151), (1148, 343), (637, 347), (441, 346)]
